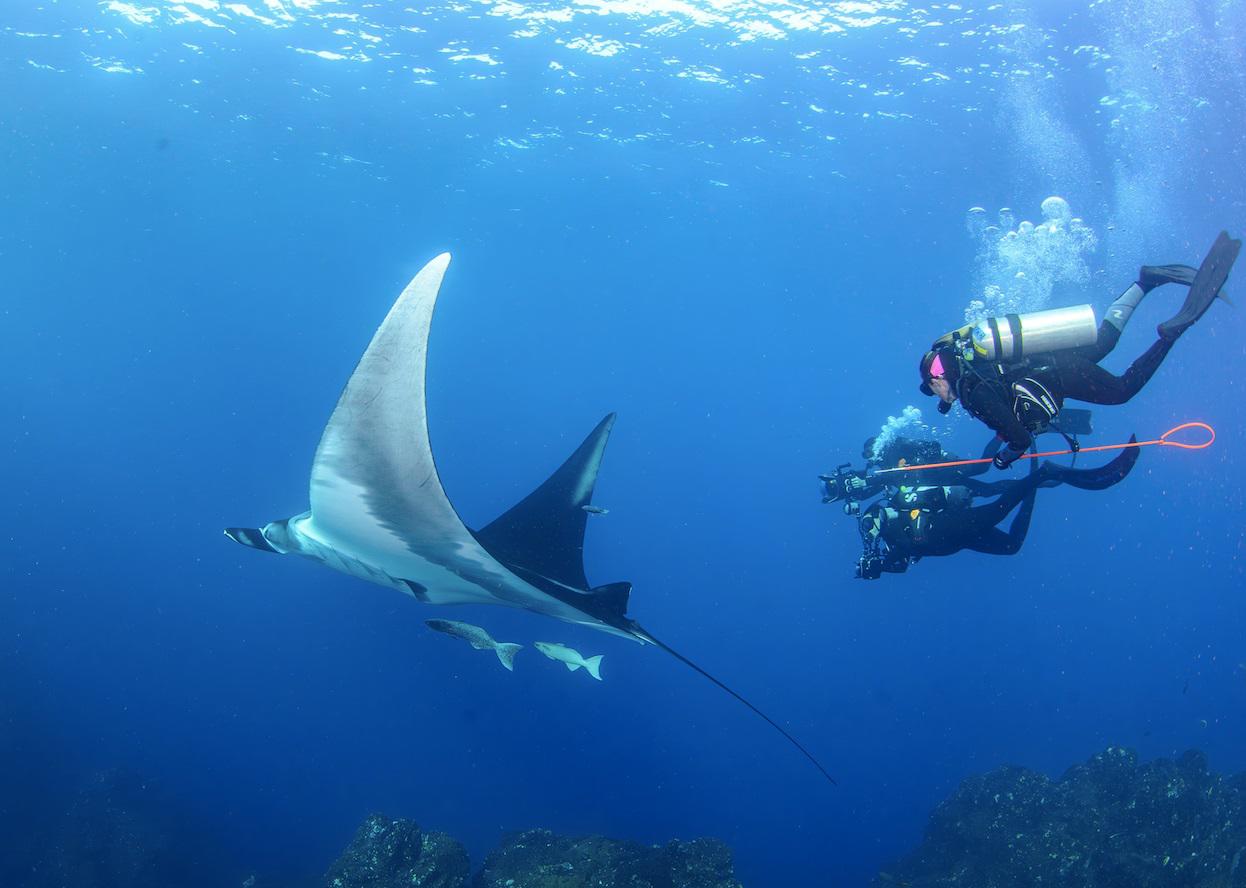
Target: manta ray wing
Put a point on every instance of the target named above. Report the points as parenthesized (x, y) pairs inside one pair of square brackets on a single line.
[(544, 532), (373, 481), (378, 508)]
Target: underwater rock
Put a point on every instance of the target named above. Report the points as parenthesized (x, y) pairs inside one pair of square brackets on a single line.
[(1109, 823), (389, 853), (123, 830), (539, 859)]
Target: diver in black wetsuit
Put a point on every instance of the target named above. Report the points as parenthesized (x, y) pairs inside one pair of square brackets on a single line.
[(1018, 398), (895, 534), (855, 486)]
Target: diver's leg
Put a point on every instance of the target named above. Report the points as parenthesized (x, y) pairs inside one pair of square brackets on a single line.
[(996, 542), (1084, 380), (1114, 321), (1120, 311), (984, 489), (992, 541), (994, 512), (1109, 334)]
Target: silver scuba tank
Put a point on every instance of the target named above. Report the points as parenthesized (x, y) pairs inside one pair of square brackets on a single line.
[(1016, 336)]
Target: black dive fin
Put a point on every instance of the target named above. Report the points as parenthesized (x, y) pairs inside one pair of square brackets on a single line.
[(640, 632), (544, 532), (249, 536), (1207, 283), (1151, 276), (1100, 478)]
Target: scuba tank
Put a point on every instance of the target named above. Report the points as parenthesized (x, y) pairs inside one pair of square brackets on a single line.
[(1012, 340), (1007, 343), (1016, 336)]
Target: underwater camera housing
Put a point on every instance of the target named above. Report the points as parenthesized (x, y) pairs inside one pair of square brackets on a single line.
[(835, 487), (870, 566)]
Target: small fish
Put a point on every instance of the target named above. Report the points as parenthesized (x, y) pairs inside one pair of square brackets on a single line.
[(570, 657), (595, 510), (477, 638)]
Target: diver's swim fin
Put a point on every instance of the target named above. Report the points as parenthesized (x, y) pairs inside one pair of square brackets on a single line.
[(1100, 478), (1206, 287), (1152, 276)]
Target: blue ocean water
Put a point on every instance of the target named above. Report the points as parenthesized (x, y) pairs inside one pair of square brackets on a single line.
[(738, 223)]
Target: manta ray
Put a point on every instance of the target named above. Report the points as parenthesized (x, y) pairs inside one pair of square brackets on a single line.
[(379, 511)]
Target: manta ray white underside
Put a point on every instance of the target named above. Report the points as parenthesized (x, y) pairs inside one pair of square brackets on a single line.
[(379, 512)]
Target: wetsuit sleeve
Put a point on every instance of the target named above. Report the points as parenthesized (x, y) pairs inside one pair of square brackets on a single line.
[(874, 484), (992, 409)]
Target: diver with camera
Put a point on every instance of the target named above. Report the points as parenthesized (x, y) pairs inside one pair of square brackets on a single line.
[(933, 521), (939, 510), (855, 486)]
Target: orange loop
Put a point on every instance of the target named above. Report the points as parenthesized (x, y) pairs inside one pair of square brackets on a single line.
[(1163, 439)]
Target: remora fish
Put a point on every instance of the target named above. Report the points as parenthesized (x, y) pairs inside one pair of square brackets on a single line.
[(570, 657), (379, 511), (477, 638)]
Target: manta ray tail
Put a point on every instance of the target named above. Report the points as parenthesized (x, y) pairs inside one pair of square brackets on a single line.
[(681, 658), (506, 653)]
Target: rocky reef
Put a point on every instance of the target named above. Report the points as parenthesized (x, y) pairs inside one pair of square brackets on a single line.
[(1108, 823), (539, 859), (387, 853), (120, 830)]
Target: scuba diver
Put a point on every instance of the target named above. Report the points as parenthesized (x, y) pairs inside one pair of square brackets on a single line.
[(1014, 372), (926, 487), (896, 533), (855, 486)]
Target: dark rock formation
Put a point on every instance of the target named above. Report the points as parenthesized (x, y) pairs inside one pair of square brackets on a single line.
[(1109, 823), (123, 831), (389, 853), (539, 859)]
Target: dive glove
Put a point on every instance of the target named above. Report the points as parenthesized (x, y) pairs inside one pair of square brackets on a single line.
[(1006, 457)]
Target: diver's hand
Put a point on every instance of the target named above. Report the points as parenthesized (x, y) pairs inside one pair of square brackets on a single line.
[(1006, 457), (854, 484)]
